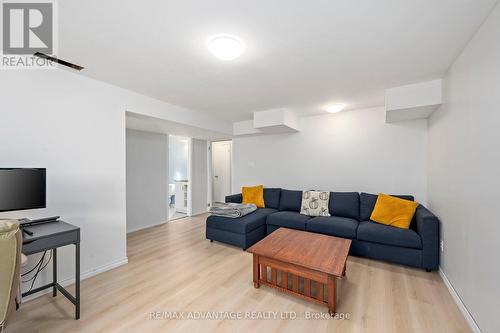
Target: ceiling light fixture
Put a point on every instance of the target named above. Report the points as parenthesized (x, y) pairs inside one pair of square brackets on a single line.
[(225, 47), (333, 108)]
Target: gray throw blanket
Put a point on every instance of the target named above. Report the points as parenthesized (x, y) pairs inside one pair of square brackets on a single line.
[(232, 210)]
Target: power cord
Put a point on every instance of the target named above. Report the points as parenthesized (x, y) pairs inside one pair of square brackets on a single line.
[(40, 265), (31, 270)]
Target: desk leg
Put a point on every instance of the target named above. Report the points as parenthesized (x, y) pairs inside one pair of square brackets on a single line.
[(77, 281), (54, 272)]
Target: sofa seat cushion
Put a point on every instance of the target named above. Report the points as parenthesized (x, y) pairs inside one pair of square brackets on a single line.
[(287, 219), (240, 225), (383, 234), (333, 225)]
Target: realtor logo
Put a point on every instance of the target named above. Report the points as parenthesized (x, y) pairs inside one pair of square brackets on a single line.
[(27, 28)]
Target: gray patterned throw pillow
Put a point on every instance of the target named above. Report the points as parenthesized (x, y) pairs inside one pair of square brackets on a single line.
[(315, 203)]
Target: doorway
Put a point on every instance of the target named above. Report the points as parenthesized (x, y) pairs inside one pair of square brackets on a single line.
[(221, 170), (178, 174)]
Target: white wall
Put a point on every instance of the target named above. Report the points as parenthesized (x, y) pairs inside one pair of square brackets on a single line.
[(346, 151), (147, 179), (75, 127), (199, 176), (464, 176)]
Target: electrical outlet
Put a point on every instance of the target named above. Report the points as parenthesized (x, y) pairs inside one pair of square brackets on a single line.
[(441, 245)]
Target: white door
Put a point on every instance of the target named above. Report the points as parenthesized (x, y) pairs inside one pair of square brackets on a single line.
[(221, 170)]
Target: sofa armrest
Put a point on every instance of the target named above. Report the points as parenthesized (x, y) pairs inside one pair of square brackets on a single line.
[(234, 198), (428, 229)]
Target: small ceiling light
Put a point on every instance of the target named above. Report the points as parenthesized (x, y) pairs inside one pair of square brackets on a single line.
[(225, 47), (333, 108)]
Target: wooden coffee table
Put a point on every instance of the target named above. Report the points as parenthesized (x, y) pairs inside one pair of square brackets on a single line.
[(298, 258)]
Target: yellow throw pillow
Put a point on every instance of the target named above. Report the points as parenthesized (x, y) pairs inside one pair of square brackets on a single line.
[(393, 211), (253, 195)]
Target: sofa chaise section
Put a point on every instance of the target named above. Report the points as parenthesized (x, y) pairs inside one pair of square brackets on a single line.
[(247, 230), (242, 232)]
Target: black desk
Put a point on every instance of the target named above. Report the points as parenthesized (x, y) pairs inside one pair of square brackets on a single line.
[(50, 236)]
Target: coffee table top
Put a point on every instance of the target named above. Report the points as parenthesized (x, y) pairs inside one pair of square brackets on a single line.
[(323, 253)]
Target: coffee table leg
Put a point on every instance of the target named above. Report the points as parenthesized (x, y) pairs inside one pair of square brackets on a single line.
[(331, 293), (256, 271)]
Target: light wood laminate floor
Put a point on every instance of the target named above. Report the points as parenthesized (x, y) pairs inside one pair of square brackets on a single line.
[(173, 267)]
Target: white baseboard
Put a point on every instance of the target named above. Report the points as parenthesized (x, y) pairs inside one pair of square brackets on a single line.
[(145, 227), (98, 270), (468, 317), (83, 276), (200, 213)]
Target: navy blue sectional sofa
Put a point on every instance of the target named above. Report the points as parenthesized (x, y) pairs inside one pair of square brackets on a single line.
[(417, 246)]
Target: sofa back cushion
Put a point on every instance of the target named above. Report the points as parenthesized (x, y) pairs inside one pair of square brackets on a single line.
[(234, 198), (272, 197), (290, 200), (367, 203), (344, 204)]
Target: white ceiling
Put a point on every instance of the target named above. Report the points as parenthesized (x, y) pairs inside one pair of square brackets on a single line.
[(150, 124), (300, 54)]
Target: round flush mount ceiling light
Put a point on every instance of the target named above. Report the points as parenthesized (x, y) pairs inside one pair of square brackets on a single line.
[(333, 108), (225, 47)]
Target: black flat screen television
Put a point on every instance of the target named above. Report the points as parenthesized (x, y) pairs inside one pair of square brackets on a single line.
[(22, 188)]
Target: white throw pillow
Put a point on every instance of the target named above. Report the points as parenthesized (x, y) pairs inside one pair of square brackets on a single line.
[(315, 203)]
